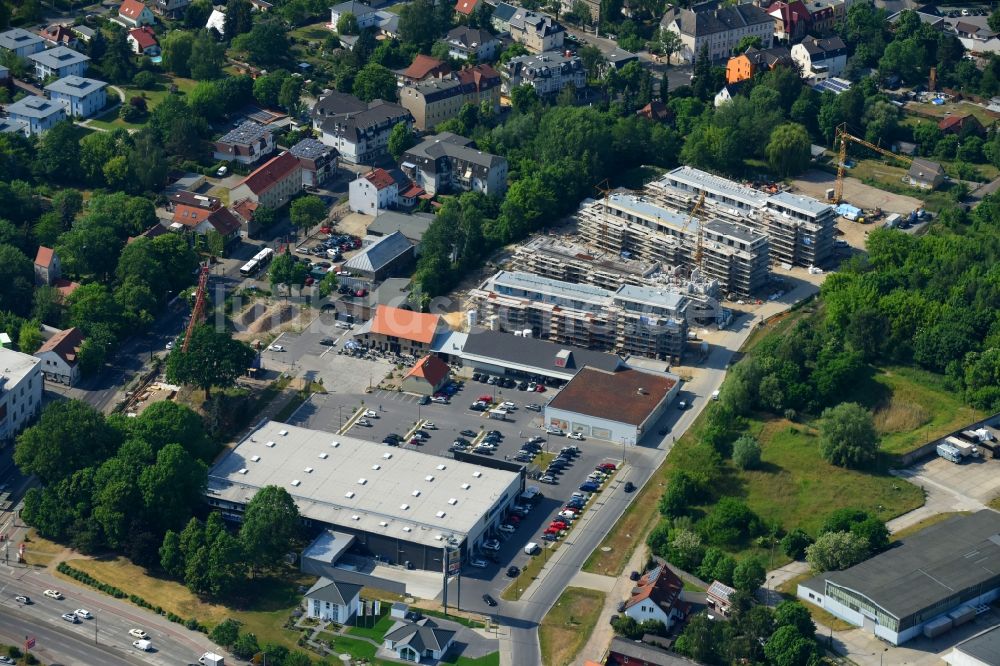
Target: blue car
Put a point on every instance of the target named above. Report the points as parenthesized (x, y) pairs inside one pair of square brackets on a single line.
[(589, 487)]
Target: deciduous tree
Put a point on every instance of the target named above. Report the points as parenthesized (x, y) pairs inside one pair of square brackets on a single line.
[(848, 437), (788, 151), (69, 436), (270, 526), (213, 358)]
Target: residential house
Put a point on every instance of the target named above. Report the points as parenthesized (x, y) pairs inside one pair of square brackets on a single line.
[(21, 388), (358, 130), (719, 597), (727, 93), (623, 652), (657, 596), (20, 42), (11, 126), (217, 21), (82, 97), (820, 58), (388, 257), (825, 15), (171, 8), (85, 33), (60, 356), (754, 61), (142, 41), (465, 43), (37, 113), (427, 377), (791, 20), (547, 73), (718, 27), (593, 8), (616, 59), (202, 215), (400, 331), (134, 13), (434, 101), (447, 162), (373, 192), (273, 183), (389, 222), (318, 161), (466, 7), (363, 13), (58, 34), (59, 62), (246, 144), (656, 111), (418, 641), (536, 32), (925, 174), (977, 39), (48, 268), (4, 75), (333, 601), (962, 125), (244, 210), (423, 67)]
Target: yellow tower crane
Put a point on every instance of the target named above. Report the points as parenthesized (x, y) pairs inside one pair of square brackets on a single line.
[(844, 137)]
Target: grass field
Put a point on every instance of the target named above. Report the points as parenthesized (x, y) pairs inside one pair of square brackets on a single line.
[(375, 632), (311, 32), (153, 98), (630, 530), (40, 552), (567, 625), (491, 659), (273, 600), (358, 649)]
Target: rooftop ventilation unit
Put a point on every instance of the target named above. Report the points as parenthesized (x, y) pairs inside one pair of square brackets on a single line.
[(324, 456), (404, 506), (453, 501), (376, 466), (362, 481), (334, 444), (270, 444), (466, 486), (243, 470), (355, 517), (428, 478), (407, 529), (296, 482), (416, 493), (477, 474), (442, 467), (386, 455), (383, 523), (308, 470), (255, 458), (349, 494), (439, 514)]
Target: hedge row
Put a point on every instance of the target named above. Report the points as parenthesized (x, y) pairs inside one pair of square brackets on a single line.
[(87, 579)]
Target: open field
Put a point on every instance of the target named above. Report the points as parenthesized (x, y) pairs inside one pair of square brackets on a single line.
[(815, 184), (961, 108), (153, 98), (566, 627), (40, 552), (273, 599)]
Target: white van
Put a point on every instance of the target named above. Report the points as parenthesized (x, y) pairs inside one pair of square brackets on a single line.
[(531, 548), (344, 324)]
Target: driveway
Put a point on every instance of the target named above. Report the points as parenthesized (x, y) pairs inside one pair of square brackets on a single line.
[(949, 487)]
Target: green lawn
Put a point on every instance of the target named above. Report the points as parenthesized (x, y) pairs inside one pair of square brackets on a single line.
[(375, 632), (312, 32), (491, 659), (567, 625), (359, 650)]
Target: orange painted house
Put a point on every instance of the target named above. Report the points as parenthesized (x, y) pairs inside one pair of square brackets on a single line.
[(753, 61)]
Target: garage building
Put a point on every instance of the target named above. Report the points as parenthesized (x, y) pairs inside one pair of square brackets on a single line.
[(427, 377), (400, 505), (926, 584), (616, 406)]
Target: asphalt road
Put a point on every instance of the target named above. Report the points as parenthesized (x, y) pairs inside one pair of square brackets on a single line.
[(57, 646)]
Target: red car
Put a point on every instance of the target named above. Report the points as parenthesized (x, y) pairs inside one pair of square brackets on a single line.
[(608, 466), (558, 524), (551, 530), (486, 398), (361, 292), (324, 230), (309, 281), (571, 509), (539, 388), (513, 519)]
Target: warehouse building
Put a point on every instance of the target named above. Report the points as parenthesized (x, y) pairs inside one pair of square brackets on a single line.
[(401, 506), (983, 649), (517, 357), (616, 406), (931, 582), (630, 320)]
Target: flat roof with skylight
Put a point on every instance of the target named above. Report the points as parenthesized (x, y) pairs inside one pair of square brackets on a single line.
[(340, 480)]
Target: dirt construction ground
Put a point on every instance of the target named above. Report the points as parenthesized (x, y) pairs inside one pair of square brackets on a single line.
[(816, 183)]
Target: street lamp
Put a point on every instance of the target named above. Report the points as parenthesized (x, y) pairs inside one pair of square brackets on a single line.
[(881, 656)]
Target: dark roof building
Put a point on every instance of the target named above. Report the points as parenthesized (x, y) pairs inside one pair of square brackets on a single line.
[(358, 130), (335, 591), (983, 649), (420, 639), (636, 653), (389, 256), (412, 226), (507, 354), (921, 583)]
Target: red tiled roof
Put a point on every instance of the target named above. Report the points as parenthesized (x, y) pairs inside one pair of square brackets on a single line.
[(405, 324), (131, 9), (224, 222), (144, 37), (431, 368), (154, 231), (58, 33), (245, 209), (44, 256), (412, 191), (271, 172), (626, 396), (655, 110), (466, 7), (791, 12), (66, 344), (380, 178), (478, 75), (423, 66), (66, 287), (660, 585)]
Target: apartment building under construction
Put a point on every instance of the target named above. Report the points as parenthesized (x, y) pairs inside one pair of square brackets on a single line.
[(800, 229), (557, 258), (733, 254), (646, 321)]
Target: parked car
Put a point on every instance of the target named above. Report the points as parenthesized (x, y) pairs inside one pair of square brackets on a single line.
[(633, 576), (490, 601), (492, 544), (513, 572), (328, 342), (424, 400), (468, 433), (621, 606), (590, 487), (428, 425), (364, 422), (547, 478), (578, 436), (277, 348), (552, 430), (507, 528), (532, 407), (479, 564)]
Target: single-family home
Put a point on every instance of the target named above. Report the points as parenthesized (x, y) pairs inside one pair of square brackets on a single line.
[(318, 160), (978, 39), (719, 28), (388, 257), (961, 125), (423, 67), (623, 652), (142, 41), (373, 192), (820, 58), (82, 97), (60, 356), (247, 143), (37, 113), (657, 596), (363, 14), (547, 73), (20, 42), (753, 61), (217, 21), (719, 597), (58, 34), (466, 7), (333, 600), (59, 62), (536, 32), (791, 20), (435, 100), (727, 93), (427, 377), (85, 33), (418, 641), (447, 162), (135, 13), (400, 331), (358, 130), (273, 183), (171, 8), (465, 43), (202, 215), (48, 268), (925, 174), (656, 111), (11, 126)]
